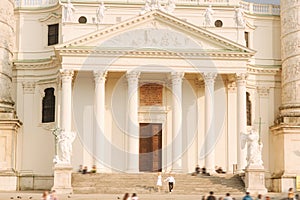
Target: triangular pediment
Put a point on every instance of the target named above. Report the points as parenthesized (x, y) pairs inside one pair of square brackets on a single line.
[(156, 30)]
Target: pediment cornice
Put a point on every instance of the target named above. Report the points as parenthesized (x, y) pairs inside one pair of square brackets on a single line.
[(156, 16), (156, 53)]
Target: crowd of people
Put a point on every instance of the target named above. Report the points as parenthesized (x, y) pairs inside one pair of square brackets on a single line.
[(84, 170), (49, 195)]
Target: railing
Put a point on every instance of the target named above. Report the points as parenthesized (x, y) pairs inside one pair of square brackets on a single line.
[(252, 8), (35, 3), (264, 9)]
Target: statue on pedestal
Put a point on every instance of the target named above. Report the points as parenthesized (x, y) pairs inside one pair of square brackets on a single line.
[(100, 13), (254, 149), (68, 11), (208, 15), (64, 140), (239, 17)]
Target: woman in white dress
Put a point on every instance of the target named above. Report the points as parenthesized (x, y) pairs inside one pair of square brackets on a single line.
[(159, 182)]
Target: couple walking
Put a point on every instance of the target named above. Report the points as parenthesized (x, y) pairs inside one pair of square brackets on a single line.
[(170, 180)]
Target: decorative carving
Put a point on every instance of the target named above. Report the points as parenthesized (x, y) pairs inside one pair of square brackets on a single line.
[(155, 5), (152, 38), (290, 45), (290, 21)]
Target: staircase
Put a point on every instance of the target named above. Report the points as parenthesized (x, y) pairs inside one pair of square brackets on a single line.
[(145, 183)]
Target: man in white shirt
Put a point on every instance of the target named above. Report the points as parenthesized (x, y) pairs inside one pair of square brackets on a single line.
[(171, 181)]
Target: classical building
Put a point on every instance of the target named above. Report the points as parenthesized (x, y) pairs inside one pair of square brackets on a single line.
[(147, 86)]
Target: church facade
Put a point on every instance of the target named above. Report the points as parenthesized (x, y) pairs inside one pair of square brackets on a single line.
[(148, 86)]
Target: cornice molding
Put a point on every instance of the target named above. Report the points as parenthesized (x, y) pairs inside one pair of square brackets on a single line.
[(35, 64), (156, 53), (261, 70)]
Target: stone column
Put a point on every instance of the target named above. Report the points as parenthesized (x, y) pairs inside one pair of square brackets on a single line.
[(63, 170), (287, 129), (177, 121), (9, 123), (102, 152), (66, 99), (133, 124), (209, 79), (241, 120)]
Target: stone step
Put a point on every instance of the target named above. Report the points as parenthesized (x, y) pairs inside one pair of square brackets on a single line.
[(146, 183)]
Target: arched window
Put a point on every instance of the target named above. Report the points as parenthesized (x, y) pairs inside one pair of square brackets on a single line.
[(248, 103), (48, 113)]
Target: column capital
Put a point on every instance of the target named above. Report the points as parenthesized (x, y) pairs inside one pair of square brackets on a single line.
[(262, 91), (66, 74), (28, 87), (100, 76), (209, 77), (133, 75), (241, 77)]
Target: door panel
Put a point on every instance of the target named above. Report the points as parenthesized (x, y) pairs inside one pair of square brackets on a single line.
[(150, 147)]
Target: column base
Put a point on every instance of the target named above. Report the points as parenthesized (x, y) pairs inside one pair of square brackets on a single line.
[(8, 181), (255, 181), (63, 179)]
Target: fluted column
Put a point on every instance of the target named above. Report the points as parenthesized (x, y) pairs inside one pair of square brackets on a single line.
[(241, 120), (133, 125), (66, 99), (209, 79), (177, 121), (101, 147)]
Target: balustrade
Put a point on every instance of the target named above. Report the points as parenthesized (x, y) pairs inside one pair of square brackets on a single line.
[(248, 7)]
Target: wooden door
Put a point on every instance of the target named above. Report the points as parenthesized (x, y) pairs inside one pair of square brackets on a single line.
[(150, 159)]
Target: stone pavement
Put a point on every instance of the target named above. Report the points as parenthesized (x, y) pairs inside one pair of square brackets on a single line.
[(36, 195)]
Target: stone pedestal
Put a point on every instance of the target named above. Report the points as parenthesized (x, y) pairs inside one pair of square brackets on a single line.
[(255, 180), (8, 143), (63, 179)]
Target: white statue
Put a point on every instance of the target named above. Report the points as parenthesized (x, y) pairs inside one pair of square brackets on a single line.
[(208, 15), (151, 5), (254, 148), (100, 13), (64, 142), (68, 12), (239, 17), (146, 8), (170, 7)]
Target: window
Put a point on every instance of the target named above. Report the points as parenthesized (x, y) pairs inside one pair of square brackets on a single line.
[(52, 34), (48, 112), (248, 104), (218, 23), (82, 20), (247, 39)]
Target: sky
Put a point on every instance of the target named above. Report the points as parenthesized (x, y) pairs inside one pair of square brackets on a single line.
[(276, 2)]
